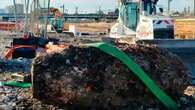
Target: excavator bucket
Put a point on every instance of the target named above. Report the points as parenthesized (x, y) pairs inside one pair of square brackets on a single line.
[(185, 49)]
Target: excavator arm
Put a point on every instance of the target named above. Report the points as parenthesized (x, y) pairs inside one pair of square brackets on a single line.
[(58, 22), (56, 12)]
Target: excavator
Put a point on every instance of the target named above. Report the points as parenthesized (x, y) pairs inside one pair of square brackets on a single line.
[(138, 22), (137, 19), (57, 23)]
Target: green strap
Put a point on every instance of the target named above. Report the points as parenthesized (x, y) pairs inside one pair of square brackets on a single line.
[(16, 84), (160, 94)]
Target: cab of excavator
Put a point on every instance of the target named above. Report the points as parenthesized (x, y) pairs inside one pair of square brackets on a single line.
[(133, 9), (132, 14)]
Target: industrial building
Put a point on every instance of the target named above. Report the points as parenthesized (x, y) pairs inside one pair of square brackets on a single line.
[(19, 9)]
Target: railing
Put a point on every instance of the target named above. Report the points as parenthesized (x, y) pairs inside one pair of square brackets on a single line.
[(80, 16)]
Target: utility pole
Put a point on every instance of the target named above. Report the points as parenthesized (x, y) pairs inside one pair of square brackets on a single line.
[(100, 10), (169, 5), (77, 13), (33, 15), (26, 2), (194, 7), (46, 20), (77, 10), (63, 8), (35, 18), (15, 16)]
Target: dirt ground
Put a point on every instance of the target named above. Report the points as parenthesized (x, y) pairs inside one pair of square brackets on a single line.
[(184, 28), (101, 27)]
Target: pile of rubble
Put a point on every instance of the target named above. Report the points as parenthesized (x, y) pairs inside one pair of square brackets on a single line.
[(84, 77)]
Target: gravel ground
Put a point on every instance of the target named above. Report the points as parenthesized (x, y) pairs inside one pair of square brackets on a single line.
[(12, 98)]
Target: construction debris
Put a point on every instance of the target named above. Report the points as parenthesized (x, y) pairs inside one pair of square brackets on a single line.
[(89, 78), (16, 65), (18, 77), (190, 91)]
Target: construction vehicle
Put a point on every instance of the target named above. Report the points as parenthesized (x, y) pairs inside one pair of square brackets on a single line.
[(57, 23), (137, 22), (57, 26)]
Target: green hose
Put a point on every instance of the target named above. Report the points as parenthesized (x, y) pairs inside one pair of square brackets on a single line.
[(16, 84), (167, 101)]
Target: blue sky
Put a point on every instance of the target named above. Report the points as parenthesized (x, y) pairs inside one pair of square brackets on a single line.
[(93, 5)]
